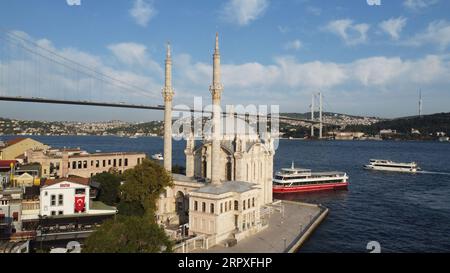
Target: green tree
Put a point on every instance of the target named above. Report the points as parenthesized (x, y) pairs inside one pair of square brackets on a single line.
[(144, 184), (110, 184), (129, 234)]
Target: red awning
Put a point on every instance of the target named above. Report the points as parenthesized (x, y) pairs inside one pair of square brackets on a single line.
[(6, 164)]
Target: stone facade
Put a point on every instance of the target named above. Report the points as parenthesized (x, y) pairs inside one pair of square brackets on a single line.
[(82, 164), (228, 176)]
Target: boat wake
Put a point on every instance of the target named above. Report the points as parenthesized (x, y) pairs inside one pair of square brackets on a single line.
[(431, 172)]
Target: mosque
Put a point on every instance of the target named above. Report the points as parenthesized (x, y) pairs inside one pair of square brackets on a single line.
[(228, 172)]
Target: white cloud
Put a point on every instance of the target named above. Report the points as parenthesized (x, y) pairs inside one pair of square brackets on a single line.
[(350, 33), (393, 27), (294, 45), (368, 81), (437, 33), (142, 11), (134, 55), (242, 12), (314, 10), (419, 4)]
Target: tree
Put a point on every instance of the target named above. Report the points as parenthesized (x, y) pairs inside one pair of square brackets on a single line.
[(129, 234), (144, 184), (110, 184)]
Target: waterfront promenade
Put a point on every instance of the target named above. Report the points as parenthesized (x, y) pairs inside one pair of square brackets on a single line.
[(285, 233)]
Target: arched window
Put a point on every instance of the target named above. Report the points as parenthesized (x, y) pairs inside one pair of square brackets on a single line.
[(236, 205), (204, 168), (203, 207), (228, 170), (211, 208)]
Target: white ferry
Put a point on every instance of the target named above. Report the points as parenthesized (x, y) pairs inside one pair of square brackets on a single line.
[(158, 157), (388, 165), (290, 180)]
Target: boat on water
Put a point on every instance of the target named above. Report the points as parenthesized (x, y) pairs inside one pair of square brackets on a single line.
[(292, 180), (158, 156), (388, 165), (133, 137)]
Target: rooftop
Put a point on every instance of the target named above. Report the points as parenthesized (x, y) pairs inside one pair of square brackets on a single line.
[(77, 180), (225, 187)]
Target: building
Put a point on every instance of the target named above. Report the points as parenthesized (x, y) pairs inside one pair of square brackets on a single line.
[(346, 135), (10, 211), (7, 169), (228, 175), (18, 146), (75, 162)]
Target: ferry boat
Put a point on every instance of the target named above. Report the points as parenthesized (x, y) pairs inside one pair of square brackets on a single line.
[(158, 157), (291, 180), (388, 165)]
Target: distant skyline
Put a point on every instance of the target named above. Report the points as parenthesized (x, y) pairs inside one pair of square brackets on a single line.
[(366, 60)]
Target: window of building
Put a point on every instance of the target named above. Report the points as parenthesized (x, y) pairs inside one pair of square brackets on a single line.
[(60, 212), (53, 212), (229, 205), (74, 165), (80, 164), (221, 207), (248, 203), (80, 191), (97, 163), (4, 202), (104, 163), (120, 162), (203, 207), (92, 163), (114, 162), (125, 162), (60, 200), (109, 162), (253, 201), (85, 164), (45, 193), (195, 205), (243, 205), (45, 171), (236, 205), (53, 200), (211, 208), (15, 216), (138, 161)]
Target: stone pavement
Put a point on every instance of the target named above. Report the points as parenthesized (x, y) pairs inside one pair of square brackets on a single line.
[(280, 233)]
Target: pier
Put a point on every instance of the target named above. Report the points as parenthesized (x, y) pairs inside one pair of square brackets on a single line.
[(289, 225)]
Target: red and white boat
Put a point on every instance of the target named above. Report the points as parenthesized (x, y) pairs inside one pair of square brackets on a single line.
[(290, 180)]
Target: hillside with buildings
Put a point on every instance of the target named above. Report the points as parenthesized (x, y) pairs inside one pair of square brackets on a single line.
[(423, 127)]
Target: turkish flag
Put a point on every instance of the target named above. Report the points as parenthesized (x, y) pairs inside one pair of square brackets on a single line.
[(79, 204)]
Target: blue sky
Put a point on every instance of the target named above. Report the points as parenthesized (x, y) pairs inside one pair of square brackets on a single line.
[(367, 60)]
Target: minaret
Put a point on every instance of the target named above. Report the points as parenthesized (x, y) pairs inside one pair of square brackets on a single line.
[(216, 92), (167, 93)]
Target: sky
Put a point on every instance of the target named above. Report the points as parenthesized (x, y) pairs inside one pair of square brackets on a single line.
[(366, 59)]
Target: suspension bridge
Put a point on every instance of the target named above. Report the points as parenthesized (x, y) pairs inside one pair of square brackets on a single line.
[(33, 71)]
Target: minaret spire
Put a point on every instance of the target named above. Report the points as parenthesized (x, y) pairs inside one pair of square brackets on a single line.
[(167, 94), (216, 92)]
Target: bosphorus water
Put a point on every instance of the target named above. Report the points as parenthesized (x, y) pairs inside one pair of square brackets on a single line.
[(403, 212)]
